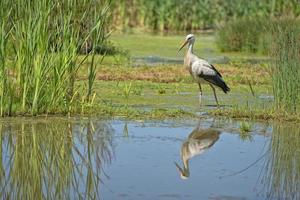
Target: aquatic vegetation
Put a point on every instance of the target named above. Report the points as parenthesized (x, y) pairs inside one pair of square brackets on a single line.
[(161, 89), (176, 15), (127, 90), (285, 70), (137, 89), (245, 127), (257, 113), (39, 53)]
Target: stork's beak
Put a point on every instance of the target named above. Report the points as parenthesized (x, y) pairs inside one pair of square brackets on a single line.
[(179, 168), (185, 42)]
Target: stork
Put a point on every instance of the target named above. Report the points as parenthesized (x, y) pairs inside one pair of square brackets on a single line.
[(201, 70)]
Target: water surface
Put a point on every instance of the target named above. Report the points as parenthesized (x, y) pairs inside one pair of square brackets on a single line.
[(89, 158)]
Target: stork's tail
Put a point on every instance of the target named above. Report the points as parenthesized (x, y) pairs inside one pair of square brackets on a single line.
[(217, 81), (224, 87)]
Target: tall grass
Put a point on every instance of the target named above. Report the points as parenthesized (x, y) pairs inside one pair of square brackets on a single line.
[(177, 15), (285, 66), (39, 52), (245, 34)]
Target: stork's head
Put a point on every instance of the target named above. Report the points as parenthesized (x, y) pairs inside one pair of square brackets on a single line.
[(190, 39)]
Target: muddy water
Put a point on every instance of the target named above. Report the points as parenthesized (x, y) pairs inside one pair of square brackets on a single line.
[(60, 158)]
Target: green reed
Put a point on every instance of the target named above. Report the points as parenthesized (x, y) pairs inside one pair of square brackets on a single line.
[(177, 15), (39, 52), (285, 66)]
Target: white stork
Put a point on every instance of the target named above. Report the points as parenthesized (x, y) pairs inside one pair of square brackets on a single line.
[(201, 70)]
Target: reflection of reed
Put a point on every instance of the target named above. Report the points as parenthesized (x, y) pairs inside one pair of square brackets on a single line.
[(56, 160), (282, 176)]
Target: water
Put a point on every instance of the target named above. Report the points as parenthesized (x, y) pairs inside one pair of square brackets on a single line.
[(89, 158), (156, 60)]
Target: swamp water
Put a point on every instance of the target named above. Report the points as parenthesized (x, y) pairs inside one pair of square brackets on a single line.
[(82, 158)]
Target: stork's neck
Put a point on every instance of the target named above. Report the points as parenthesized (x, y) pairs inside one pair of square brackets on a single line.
[(190, 48), (186, 165), (186, 170)]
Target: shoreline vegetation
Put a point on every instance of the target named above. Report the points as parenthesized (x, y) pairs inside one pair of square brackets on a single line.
[(40, 53), (60, 60), (141, 93)]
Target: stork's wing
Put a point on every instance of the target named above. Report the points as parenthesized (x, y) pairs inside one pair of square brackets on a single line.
[(213, 67), (207, 64), (209, 74)]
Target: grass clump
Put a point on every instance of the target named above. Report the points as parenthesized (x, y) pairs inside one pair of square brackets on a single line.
[(245, 34), (240, 35), (39, 57), (245, 127)]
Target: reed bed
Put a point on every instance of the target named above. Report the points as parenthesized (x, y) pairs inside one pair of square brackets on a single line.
[(176, 15), (39, 53), (285, 66)]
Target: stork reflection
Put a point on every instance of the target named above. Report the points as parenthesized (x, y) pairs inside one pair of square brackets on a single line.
[(197, 143)]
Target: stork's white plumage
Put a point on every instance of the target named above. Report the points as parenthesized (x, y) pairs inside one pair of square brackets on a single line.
[(201, 70)]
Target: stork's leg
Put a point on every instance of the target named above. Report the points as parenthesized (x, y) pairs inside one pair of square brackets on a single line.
[(214, 94), (200, 94)]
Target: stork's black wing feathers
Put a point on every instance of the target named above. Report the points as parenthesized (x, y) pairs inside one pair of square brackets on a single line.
[(216, 80), (213, 67)]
